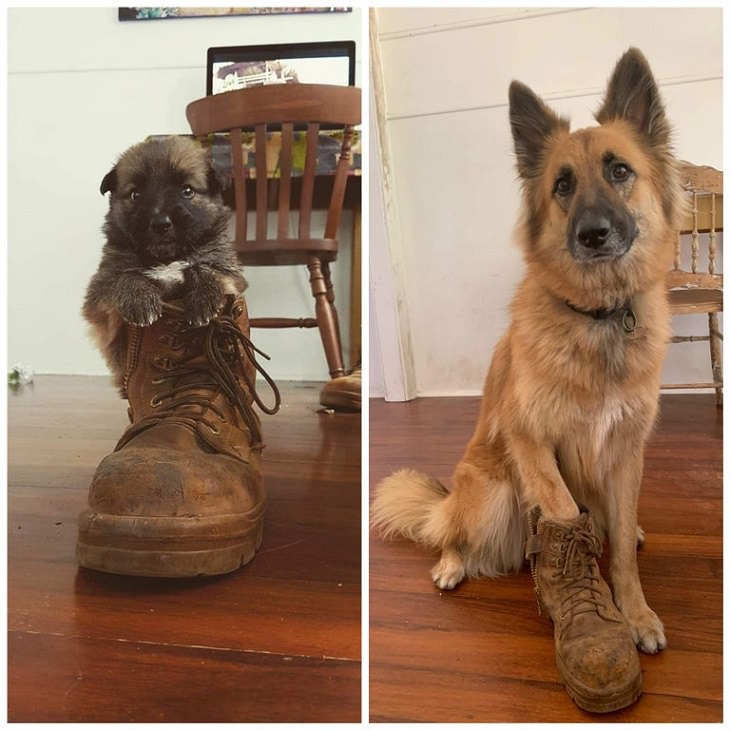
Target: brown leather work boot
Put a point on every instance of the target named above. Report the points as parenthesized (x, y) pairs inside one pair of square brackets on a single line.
[(594, 649), (182, 494), (343, 393)]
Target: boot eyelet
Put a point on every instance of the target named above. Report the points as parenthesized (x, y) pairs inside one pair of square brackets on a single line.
[(155, 401), (213, 429), (163, 363), (172, 341)]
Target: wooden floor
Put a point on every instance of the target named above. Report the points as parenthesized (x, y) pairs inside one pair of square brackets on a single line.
[(279, 640), (481, 653)]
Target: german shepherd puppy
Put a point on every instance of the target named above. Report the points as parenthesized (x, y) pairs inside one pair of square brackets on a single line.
[(572, 392), (166, 238)]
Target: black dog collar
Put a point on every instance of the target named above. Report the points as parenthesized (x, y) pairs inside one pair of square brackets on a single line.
[(625, 311)]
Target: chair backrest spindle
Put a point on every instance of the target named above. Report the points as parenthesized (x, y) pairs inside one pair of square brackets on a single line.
[(310, 170), (239, 190), (338, 191), (285, 172), (262, 183)]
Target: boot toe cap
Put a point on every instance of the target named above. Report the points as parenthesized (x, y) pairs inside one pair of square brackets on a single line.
[(162, 482)]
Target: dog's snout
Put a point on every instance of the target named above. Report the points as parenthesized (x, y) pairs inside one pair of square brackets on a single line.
[(161, 223), (593, 229)]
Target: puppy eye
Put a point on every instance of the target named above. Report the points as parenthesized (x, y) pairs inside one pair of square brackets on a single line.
[(134, 195), (564, 185), (188, 192), (620, 172)]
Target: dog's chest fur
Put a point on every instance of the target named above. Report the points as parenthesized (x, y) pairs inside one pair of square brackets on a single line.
[(168, 276)]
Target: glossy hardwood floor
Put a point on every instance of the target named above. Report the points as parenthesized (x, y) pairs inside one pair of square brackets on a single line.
[(482, 653), (277, 641)]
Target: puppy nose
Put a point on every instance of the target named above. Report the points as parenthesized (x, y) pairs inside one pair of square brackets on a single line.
[(161, 223), (593, 229)]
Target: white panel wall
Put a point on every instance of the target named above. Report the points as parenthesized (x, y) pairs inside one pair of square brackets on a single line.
[(452, 178), (81, 88)]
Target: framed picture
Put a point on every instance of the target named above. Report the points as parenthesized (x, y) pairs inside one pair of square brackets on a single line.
[(237, 67), (184, 12)]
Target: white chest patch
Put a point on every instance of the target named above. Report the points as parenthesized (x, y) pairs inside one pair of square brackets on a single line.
[(607, 418), (168, 273)]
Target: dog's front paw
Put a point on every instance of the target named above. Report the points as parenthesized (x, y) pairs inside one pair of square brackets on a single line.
[(203, 299), (449, 571), (201, 310), (143, 309), (648, 631)]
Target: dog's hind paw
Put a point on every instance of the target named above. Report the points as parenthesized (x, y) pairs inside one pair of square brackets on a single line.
[(448, 572)]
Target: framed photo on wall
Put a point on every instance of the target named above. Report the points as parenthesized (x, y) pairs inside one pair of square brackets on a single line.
[(183, 12)]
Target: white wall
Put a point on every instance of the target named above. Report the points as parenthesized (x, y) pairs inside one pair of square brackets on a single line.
[(82, 87), (451, 172)]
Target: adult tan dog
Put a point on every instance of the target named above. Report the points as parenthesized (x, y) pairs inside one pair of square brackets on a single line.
[(572, 392)]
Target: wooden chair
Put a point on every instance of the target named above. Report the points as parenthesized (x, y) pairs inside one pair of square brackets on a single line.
[(695, 284), (290, 110)]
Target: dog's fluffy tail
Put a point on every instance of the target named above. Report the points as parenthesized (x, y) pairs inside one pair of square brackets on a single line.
[(405, 504)]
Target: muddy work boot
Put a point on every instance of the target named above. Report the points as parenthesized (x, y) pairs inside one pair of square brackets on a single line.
[(182, 493), (343, 393), (594, 649)]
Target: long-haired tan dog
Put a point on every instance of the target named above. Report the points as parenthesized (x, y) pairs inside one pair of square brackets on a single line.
[(572, 392)]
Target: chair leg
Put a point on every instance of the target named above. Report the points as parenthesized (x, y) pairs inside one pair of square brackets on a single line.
[(331, 300), (716, 355), (326, 317)]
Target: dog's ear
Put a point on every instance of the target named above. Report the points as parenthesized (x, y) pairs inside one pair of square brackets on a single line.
[(109, 183), (217, 181), (532, 122), (633, 95)]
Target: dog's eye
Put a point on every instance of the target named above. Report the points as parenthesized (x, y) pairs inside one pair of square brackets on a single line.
[(620, 172), (188, 192), (134, 195), (564, 185)]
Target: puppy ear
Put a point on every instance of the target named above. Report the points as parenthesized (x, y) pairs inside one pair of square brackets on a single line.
[(532, 122), (109, 183), (217, 181), (633, 95)]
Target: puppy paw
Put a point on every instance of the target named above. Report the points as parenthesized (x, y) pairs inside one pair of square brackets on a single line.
[(203, 303), (448, 572), (648, 631), (199, 315), (142, 310)]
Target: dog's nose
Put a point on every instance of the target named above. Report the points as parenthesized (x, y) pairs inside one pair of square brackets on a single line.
[(161, 223), (593, 229)]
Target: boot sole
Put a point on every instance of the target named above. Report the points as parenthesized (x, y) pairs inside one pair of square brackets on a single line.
[(590, 701), (167, 547)]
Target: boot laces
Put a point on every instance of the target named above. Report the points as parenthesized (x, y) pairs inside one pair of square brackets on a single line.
[(225, 349), (580, 573)]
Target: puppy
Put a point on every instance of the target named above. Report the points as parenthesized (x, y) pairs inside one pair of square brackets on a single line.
[(166, 238)]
